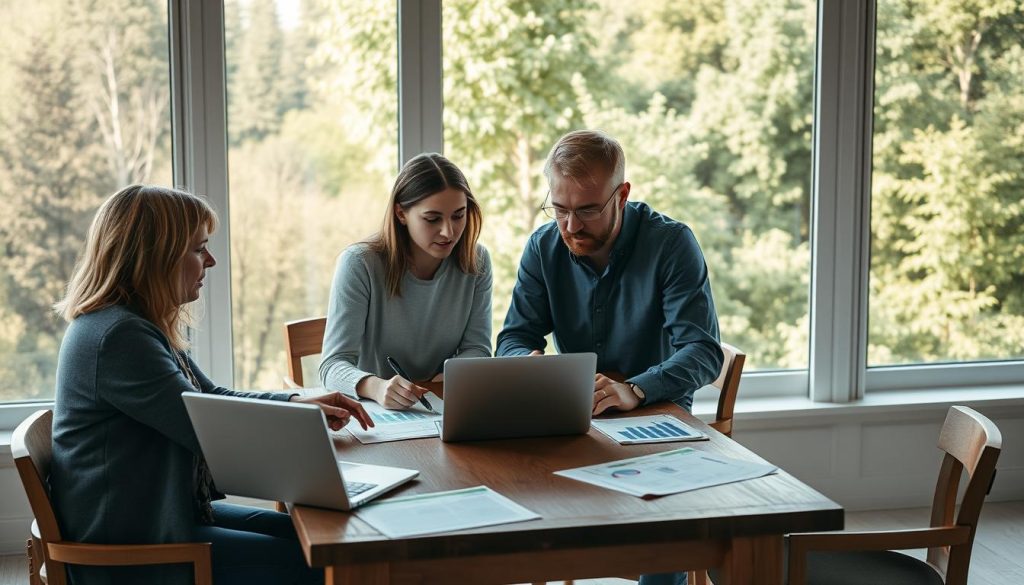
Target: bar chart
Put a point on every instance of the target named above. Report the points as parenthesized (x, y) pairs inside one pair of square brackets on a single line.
[(398, 416), (655, 431), (660, 428)]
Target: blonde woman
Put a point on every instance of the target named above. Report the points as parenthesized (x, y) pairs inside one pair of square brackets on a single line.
[(127, 467), (419, 291)]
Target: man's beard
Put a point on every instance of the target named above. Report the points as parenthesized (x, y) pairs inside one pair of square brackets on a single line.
[(584, 243)]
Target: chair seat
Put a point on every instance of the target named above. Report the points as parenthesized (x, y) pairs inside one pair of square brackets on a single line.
[(860, 568)]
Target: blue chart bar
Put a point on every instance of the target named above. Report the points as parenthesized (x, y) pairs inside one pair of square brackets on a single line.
[(397, 417), (672, 429), (659, 430)]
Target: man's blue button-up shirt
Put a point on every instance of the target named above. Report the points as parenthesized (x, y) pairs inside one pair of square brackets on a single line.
[(649, 315)]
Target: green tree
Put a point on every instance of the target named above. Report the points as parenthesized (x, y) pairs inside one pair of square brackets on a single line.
[(256, 95), (49, 164), (947, 234)]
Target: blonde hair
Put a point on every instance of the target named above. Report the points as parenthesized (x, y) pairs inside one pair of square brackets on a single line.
[(133, 256), (424, 175), (586, 154)]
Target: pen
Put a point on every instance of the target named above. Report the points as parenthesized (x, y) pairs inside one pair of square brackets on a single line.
[(398, 370)]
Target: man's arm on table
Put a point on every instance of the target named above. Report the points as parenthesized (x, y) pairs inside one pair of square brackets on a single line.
[(692, 324), (529, 314)]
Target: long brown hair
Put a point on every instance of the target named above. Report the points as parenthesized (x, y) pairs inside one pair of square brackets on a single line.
[(424, 175), (133, 255)]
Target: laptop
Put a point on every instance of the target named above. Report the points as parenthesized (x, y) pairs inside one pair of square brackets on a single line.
[(282, 451), (520, 396)]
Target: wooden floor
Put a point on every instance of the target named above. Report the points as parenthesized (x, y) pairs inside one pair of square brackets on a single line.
[(998, 557)]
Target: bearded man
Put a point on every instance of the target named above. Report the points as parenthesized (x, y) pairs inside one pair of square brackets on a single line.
[(614, 277)]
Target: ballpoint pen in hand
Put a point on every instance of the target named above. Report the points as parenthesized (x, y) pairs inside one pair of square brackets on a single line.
[(398, 370)]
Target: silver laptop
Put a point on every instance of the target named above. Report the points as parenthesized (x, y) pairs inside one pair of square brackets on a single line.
[(282, 451), (521, 396)]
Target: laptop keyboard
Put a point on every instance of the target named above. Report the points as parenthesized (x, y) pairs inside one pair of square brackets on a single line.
[(354, 488)]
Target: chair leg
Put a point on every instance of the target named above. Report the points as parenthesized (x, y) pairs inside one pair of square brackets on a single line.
[(700, 578), (35, 561)]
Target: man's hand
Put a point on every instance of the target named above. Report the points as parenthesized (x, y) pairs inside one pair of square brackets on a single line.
[(338, 408), (611, 394), (536, 352)]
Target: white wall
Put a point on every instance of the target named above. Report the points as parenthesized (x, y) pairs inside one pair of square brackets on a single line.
[(882, 460)]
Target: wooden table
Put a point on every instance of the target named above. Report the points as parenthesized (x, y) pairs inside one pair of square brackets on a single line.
[(585, 531)]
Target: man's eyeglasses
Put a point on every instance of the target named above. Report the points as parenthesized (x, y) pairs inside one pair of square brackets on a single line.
[(584, 215)]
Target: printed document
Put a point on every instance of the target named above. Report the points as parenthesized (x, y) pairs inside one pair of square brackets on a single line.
[(442, 512), (670, 472), (395, 425), (658, 428)]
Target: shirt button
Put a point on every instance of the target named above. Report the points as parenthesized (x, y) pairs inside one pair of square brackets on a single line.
[(600, 345), (598, 310)]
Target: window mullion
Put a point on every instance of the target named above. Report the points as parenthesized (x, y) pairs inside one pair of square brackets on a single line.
[(842, 187), (200, 157), (420, 99)]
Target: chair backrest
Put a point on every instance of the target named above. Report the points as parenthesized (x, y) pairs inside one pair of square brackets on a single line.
[(728, 384), (302, 338), (971, 443), (32, 448)]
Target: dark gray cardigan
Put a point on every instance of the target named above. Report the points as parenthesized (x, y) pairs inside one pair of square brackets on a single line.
[(123, 444)]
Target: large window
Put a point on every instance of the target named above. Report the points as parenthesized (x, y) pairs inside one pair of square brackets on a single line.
[(713, 103), (947, 221), (84, 111), (312, 135)]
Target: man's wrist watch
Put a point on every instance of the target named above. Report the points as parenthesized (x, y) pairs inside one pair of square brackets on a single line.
[(638, 391)]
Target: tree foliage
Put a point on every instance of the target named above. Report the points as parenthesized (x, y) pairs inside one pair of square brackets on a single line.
[(712, 101)]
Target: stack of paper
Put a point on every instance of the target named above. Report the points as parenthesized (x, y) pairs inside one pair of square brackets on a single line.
[(442, 512), (671, 472), (395, 425), (659, 428)]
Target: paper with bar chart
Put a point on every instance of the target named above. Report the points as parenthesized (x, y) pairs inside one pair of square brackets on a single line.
[(396, 425), (669, 472), (658, 428)]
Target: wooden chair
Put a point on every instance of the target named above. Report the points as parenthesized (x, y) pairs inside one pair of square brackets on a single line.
[(971, 443), (302, 338), (48, 551), (728, 384)]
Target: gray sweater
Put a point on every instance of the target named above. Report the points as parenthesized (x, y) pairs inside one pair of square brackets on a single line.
[(123, 445), (433, 320)]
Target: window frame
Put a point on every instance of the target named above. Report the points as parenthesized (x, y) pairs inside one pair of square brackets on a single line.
[(841, 194)]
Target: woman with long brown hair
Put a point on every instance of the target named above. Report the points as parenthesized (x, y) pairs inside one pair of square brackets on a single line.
[(127, 467), (419, 291)]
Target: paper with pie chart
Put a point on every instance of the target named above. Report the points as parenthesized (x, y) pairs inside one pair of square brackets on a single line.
[(669, 472)]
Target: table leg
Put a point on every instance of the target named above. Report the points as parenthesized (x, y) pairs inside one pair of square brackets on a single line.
[(368, 574), (754, 561)]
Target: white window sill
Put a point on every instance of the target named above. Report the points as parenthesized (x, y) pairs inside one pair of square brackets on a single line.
[(788, 408)]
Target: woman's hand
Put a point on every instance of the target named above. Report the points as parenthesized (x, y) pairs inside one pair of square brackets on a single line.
[(338, 408), (395, 393)]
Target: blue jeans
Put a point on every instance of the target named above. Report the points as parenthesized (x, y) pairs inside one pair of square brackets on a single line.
[(664, 579), (255, 546)]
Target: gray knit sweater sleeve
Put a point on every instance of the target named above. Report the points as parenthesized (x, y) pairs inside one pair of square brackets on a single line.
[(347, 311)]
